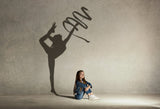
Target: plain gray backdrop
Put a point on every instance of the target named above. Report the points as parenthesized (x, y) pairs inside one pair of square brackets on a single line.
[(122, 56)]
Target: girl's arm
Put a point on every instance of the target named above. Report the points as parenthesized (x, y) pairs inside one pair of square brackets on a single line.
[(89, 84), (79, 84), (87, 87)]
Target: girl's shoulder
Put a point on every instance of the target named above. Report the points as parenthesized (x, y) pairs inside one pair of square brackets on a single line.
[(77, 81)]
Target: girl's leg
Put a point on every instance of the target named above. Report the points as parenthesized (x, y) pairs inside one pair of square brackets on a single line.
[(79, 96), (89, 92)]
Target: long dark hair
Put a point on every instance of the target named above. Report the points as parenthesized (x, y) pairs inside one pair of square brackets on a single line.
[(78, 79)]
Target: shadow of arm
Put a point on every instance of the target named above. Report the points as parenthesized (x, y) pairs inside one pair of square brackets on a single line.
[(69, 36)]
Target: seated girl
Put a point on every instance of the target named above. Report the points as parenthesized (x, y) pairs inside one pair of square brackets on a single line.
[(82, 86)]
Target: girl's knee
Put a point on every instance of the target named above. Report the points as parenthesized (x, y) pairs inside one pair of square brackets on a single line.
[(86, 89), (89, 91)]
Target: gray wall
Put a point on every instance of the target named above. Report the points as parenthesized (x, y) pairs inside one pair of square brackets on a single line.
[(122, 57)]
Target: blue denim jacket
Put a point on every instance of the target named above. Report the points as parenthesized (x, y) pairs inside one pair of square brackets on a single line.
[(83, 86)]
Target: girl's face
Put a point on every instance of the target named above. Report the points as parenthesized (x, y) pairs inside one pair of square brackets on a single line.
[(81, 75)]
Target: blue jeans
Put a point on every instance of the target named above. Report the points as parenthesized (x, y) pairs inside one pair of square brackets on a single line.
[(80, 96)]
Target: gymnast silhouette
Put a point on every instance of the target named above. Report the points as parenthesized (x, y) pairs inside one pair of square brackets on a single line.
[(55, 50)]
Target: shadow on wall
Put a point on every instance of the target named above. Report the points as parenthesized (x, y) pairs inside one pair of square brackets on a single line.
[(58, 45), (55, 50)]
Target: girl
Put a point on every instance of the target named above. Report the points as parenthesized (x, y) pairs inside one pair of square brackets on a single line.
[(82, 86)]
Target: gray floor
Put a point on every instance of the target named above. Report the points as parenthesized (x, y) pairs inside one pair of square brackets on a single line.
[(106, 101)]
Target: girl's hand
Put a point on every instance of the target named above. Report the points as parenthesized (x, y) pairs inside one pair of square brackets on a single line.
[(88, 85)]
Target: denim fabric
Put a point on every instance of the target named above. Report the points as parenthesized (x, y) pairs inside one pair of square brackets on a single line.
[(80, 93), (80, 96)]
